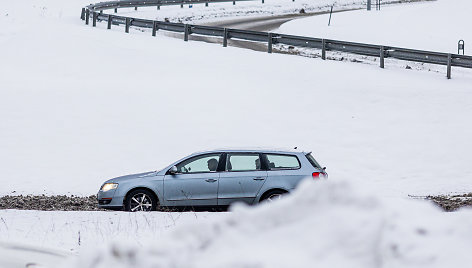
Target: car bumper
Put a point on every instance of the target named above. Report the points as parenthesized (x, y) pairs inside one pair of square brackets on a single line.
[(109, 200)]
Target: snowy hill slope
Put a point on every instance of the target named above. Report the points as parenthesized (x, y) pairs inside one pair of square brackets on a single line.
[(80, 105), (199, 13)]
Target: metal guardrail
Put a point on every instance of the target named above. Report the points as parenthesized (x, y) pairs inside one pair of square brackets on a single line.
[(95, 11)]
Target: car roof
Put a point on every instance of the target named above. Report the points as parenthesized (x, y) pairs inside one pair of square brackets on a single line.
[(254, 149)]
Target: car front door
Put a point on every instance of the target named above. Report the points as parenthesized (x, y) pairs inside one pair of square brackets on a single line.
[(195, 183), (242, 179)]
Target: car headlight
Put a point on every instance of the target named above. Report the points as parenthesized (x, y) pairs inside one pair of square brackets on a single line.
[(109, 186)]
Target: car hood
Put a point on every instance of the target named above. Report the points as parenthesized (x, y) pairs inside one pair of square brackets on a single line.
[(133, 176)]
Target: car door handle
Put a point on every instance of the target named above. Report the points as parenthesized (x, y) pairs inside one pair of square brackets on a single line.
[(210, 180), (259, 179)]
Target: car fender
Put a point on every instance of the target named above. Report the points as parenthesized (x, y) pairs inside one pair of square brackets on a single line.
[(268, 187), (155, 184)]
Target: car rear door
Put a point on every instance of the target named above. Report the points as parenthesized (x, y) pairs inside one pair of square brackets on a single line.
[(242, 179), (195, 183), (285, 170)]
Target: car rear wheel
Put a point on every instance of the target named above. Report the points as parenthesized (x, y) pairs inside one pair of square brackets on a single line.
[(273, 196), (141, 200)]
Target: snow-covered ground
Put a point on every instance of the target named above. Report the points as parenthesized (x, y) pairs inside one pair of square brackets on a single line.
[(323, 224), (222, 11), (79, 105), (326, 224), (71, 231), (436, 26)]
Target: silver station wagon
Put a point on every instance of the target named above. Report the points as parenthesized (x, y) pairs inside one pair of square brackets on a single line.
[(212, 179)]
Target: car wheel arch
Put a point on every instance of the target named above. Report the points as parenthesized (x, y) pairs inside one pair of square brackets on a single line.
[(270, 191), (140, 188)]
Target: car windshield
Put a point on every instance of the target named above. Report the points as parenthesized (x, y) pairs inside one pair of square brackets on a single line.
[(313, 161)]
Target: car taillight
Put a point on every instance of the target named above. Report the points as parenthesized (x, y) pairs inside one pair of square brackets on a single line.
[(316, 175)]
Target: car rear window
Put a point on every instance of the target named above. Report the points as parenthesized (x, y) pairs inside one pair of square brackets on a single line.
[(280, 161), (312, 160)]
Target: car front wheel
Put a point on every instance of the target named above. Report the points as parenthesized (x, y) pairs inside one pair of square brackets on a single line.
[(141, 200)]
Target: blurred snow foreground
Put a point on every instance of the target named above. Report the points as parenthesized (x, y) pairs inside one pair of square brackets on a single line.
[(323, 224)]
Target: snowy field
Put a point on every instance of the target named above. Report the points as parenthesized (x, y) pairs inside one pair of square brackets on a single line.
[(79, 105), (222, 11), (324, 224), (71, 231), (434, 26)]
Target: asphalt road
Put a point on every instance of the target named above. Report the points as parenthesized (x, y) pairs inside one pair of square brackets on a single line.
[(264, 24), (261, 24)]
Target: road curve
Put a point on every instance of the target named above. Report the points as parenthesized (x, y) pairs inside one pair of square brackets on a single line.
[(262, 24), (266, 24)]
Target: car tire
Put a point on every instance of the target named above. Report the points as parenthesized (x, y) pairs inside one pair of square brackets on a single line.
[(273, 196), (141, 200)]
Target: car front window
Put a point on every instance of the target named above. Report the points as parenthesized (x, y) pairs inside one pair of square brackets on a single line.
[(198, 164)]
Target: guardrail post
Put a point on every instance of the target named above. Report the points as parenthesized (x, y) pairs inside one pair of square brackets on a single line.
[(82, 14), (449, 65), (234, 3), (87, 16), (109, 22), (186, 32), (461, 46), (269, 43), (182, 6), (94, 19), (158, 7), (323, 49), (116, 10), (225, 37), (382, 57), (369, 4), (263, 1), (127, 23), (206, 4), (135, 8), (101, 11), (154, 28)]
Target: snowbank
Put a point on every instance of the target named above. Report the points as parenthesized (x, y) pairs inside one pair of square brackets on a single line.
[(436, 26), (324, 224), (75, 110)]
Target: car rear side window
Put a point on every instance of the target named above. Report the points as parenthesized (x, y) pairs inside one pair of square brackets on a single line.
[(243, 162), (312, 160), (280, 161)]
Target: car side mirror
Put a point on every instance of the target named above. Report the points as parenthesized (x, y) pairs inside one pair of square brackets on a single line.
[(173, 170)]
